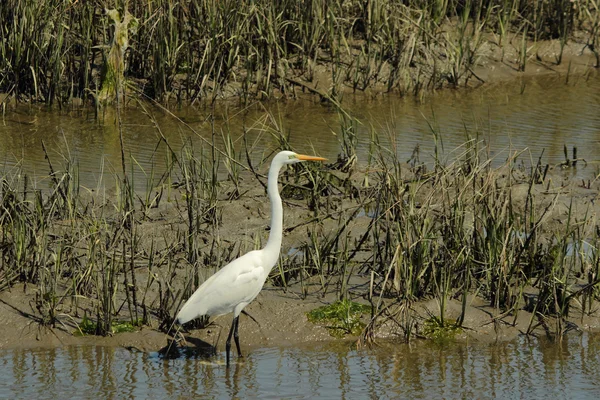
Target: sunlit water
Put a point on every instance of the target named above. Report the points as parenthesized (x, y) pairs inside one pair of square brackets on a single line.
[(523, 368), (534, 115)]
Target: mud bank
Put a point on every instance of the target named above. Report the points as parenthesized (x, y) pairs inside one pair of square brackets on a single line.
[(280, 312), (280, 321)]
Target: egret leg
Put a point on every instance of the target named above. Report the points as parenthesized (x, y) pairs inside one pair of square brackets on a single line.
[(236, 336), (228, 342)]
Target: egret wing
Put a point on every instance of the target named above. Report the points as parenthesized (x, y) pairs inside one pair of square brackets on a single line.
[(239, 282)]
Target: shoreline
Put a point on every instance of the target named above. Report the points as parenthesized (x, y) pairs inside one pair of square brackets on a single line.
[(282, 322)]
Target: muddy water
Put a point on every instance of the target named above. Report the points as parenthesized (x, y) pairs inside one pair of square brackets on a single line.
[(524, 368), (535, 114)]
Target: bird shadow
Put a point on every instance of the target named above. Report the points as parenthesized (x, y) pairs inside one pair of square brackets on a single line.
[(193, 348)]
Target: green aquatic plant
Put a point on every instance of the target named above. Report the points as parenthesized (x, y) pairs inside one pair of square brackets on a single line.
[(341, 318), (89, 327), (440, 330)]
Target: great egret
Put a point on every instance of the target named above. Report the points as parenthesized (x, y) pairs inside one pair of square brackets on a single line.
[(235, 285)]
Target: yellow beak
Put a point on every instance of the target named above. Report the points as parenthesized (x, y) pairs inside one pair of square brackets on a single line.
[(310, 158)]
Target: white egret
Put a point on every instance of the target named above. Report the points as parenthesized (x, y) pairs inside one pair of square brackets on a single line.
[(235, 285)]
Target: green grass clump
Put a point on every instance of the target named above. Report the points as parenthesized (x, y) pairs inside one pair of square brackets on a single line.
[(439, 331), (89, 327), (342, 317)]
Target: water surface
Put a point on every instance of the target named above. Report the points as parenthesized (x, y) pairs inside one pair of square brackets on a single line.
[(536, 115), (523, 368)]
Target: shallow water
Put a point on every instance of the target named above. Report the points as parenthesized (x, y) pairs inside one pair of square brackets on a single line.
[(535, 114), (523, 368)]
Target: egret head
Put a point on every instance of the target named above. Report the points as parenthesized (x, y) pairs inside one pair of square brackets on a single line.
[(289, 157)]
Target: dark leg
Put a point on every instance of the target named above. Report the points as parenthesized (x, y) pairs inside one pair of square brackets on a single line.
[(228, 342), (236, 336)]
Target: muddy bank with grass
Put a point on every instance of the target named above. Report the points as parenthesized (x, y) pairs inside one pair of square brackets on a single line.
[(452, 249), (281, 320), (75, 53)]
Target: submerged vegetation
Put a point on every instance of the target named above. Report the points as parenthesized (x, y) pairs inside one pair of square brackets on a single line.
[(381, 232), (57, 51)]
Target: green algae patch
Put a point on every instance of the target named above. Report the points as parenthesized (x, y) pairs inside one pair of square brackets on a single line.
[(88, 327), (440, 331), (340, 318)]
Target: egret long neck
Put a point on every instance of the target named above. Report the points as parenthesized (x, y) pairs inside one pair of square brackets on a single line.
[(273, 246)]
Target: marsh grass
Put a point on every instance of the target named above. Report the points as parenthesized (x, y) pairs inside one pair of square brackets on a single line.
[(395, 234), (56, 52)]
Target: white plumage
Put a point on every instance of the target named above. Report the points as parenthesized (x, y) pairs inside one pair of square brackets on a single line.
[(235, 285)]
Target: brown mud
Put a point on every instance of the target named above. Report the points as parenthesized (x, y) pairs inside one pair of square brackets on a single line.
[(501, 63)]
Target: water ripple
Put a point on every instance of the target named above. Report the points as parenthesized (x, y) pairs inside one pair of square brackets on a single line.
[(524, 368)]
